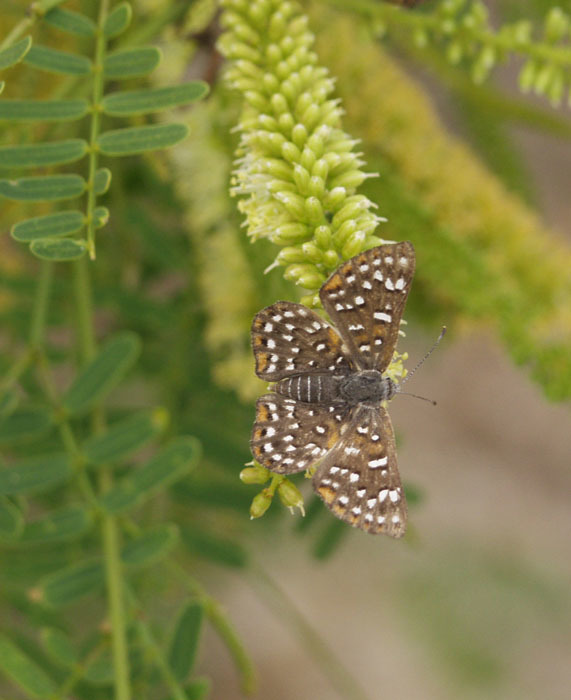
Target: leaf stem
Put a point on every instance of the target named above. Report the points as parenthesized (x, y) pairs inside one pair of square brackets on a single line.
[(149, 641), (35, 10), (110, 531), (223, 626), (100, 49), (541, 51), (215, 614)]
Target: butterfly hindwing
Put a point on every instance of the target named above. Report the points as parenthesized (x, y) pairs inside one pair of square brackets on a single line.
[(289, 338), (359, 479), (290, 436), (365, 298)]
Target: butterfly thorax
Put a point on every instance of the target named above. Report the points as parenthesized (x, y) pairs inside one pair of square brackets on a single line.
[(325, 388), (368, 386)]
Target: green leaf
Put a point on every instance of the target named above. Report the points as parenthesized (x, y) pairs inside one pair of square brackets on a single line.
[(125, 436), (61, 223), (11, 520), (56, 61), (67, 523), (218, 549), (34, 475), (41, 154), (103, 373), (9, 402), (15, 53), (71, 22), (100, 671), (100, 216), (138, 139), (2, 86), (24, 672), (414, 494), (58, 249), (129, 103), (24, 424), (59, 647), (131, 63), (43, 110), (182, 652), (118, 20), (68, 585), (43, 188), (150, 547), (198, 689), (102, 181), (171, 464)]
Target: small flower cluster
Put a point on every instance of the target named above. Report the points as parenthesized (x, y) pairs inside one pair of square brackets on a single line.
[(288, 492), (296, 167)]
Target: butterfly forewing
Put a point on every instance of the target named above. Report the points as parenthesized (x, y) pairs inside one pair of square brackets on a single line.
[(359, 479), (365, 298), (289, 338), (290, 436)]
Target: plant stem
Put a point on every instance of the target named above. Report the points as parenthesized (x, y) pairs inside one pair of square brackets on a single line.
[(114, 581), (40, 309), (342, 680), (540, 50), (100, 48), (215, 614), (110, 532), (222, 625), (148, 639)]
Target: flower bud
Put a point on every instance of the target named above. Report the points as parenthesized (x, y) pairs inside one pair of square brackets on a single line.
[(279, 104), (291, 254), (291, 152), (331, 259), (286, 123), (260, 504), (344, 231), (301, 179), (311, 280), (294, 204), (350, 179), (255, 475), (322, 237), (290, 233), (299, 135), (310, 300), (290, 495), (354, 245), (316, 187), (314, 210), (311, 252)]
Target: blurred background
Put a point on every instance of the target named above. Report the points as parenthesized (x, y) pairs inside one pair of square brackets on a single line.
[(475, 601)]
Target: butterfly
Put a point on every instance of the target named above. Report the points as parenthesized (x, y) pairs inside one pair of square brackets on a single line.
[(327, 406)]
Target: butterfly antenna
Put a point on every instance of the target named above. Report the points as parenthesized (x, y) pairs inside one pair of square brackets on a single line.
[(416, 396), (428, 354)]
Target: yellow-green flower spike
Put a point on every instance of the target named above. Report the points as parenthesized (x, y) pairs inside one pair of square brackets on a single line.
[(296, 167)]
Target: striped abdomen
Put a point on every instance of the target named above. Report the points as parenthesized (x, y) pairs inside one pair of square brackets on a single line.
[(311, 388)]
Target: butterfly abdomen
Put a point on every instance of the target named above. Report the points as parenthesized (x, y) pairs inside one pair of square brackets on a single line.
[(311, 388)]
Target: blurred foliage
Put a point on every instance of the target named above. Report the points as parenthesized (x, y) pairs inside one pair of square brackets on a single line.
[(127, 379)]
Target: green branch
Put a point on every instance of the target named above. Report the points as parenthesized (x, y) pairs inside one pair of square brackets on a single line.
[(463, 28)]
